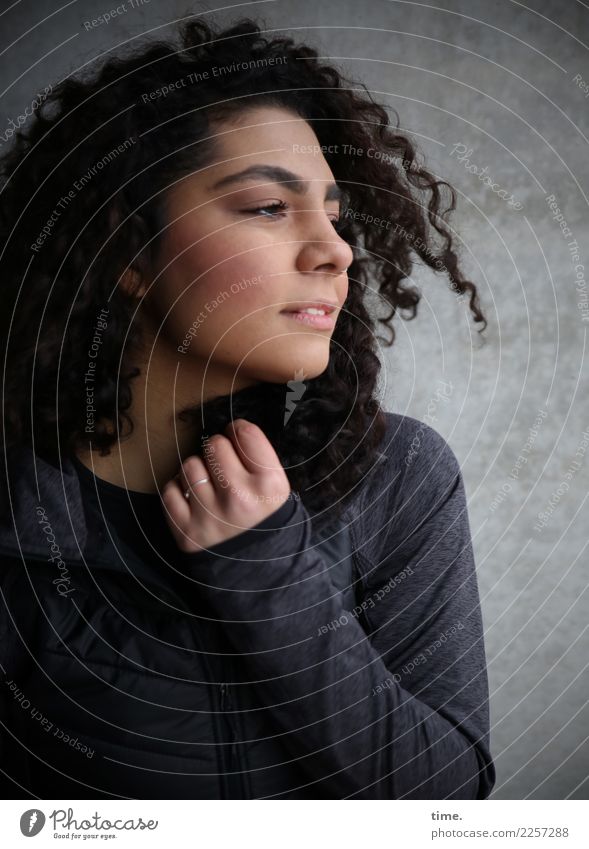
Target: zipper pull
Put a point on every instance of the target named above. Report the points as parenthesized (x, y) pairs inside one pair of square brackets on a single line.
[(223, 695)]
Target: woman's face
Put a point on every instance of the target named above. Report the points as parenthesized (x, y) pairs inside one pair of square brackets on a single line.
[(230, 263)]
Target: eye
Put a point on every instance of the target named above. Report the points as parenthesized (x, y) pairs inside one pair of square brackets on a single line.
[(279, 208), (275, 208)]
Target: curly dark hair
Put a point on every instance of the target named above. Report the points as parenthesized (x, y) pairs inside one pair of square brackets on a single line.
[(65, 250)]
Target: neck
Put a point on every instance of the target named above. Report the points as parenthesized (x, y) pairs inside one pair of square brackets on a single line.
[(160, 442)]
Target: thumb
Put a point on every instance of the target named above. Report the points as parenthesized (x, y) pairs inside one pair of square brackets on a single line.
[(253, 447)]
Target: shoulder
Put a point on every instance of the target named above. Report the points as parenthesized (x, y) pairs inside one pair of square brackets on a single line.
[(414, 443), (415, 475), (412, 451)]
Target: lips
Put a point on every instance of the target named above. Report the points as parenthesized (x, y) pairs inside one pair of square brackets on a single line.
[(327, 306), (318, 322)]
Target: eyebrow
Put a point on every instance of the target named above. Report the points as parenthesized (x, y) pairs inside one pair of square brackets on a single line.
[(276, 174)]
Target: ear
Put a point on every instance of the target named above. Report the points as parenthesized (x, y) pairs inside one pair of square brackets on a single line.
[(132, 283)]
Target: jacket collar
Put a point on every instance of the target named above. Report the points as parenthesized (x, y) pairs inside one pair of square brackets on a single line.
[(45, 513), (46, 520), (45, 510)]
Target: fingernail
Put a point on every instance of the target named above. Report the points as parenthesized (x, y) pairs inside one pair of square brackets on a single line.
[(244, 426)]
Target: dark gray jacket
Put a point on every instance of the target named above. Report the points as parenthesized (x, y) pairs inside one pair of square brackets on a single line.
[(324, 662)]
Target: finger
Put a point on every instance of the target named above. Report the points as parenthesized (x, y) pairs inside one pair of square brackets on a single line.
[(223, 463), (191, 472), (176, 506), (252, 446)]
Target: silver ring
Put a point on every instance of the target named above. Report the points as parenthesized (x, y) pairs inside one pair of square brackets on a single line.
[(187, 493)]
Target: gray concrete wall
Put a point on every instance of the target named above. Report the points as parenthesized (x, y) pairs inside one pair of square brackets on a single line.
[(497, 78)]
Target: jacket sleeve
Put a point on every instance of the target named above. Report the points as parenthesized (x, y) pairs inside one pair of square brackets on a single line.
[(421, 605), (12, 779), (359, 725)]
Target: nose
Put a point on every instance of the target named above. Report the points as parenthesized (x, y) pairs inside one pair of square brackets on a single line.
[(324, 250)]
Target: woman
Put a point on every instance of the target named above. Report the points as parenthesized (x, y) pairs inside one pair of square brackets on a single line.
[(226, 571)]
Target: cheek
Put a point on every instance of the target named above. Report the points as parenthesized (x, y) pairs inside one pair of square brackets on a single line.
[(200, 284), (223, 316), (234, 313), (228, 269)]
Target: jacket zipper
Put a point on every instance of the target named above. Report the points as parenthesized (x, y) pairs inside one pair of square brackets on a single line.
[(233, 778)]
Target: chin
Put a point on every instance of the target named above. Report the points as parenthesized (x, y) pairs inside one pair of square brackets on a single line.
[(303, 360), (299, 369), (304, 371)]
